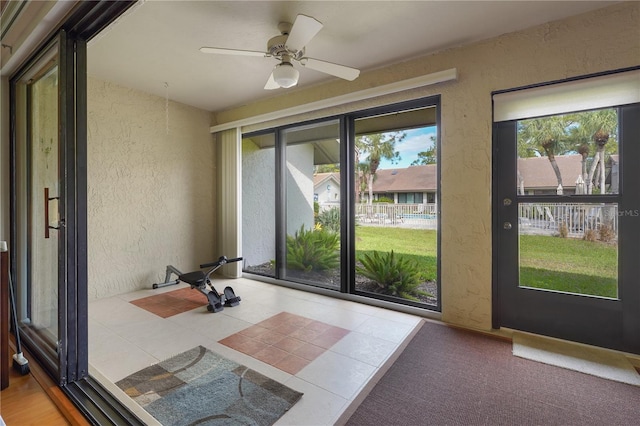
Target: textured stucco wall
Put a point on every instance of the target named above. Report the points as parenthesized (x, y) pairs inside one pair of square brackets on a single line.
[(150, 188), (299, 188), (258, 204), (258, 198), (606, 39)]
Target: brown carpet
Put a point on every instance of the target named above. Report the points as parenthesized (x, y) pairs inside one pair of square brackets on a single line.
[(447, 376)]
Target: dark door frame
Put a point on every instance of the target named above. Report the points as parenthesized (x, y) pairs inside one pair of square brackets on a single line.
[(602, 322)]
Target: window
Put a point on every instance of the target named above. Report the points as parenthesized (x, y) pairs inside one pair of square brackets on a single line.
[(410, 197), (379, 165)]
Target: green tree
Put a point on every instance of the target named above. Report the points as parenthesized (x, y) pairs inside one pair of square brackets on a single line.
[(376, 147), (327, 168), (545, 137), (582, 137), (583, 133), (363, 172), (429, 156)]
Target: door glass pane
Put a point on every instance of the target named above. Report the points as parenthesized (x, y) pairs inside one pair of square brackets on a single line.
[(569, 247), (258, 204), (37, 180), (396, 230), (570, 154), (313, 214)]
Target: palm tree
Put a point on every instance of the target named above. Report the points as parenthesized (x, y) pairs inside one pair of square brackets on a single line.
[(362, 177), (601, 125), (378, 146), (544, 137), (598, 127)]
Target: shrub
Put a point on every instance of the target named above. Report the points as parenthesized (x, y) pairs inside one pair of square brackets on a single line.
[(607, 234), (563, 230), (395, 275), (329, 220), (313, 250), (590, 235), (384, 200)]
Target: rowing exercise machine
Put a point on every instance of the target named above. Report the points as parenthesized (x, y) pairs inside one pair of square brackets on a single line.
[(199, 280)]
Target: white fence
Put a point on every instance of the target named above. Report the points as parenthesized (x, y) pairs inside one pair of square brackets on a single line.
[(409, 215), (550, 218), (533, 218)]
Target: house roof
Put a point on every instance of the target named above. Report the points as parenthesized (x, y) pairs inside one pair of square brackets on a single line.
[(410, 179), (320, 178), (538, 173)]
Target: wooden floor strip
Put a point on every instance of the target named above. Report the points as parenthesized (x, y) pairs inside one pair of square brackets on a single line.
[(35, 399)]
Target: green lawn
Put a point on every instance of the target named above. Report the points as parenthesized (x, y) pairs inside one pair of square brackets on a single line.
[(569, 265), (417, 244), (561, 264)]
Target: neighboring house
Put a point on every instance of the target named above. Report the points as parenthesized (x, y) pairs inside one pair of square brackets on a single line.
[(418, 184), (538, 178), (326, 189), (411, 185)]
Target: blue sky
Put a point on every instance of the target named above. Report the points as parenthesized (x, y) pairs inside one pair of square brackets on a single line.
[(417, 140)]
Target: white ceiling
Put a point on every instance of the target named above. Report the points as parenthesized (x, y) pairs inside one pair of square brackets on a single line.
[(154, 46)]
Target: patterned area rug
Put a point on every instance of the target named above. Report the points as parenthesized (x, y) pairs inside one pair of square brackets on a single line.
[(198, 387)]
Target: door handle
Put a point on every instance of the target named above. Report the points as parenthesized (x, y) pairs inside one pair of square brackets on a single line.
[(507, 225), (47, 226)]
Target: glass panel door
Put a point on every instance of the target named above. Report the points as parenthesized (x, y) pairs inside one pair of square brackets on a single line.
[(568, 226), (37, 172), (569, 243), (396, 211), (313, 216)]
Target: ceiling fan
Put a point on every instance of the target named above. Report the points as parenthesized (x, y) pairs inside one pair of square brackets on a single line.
[(289, 47)]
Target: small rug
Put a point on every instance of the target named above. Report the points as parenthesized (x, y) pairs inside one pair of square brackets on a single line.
[(198, 387), (286, 341), (171, 303), (575, 356)]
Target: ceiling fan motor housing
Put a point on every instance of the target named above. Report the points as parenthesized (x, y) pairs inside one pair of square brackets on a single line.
[(276, 46)]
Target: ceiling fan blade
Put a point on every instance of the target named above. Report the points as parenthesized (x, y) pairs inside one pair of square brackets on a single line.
[(271, 83), (341, 71), (223, 51), (303, 30)]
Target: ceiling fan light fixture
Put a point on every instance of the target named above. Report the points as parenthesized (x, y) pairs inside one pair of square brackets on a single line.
[(285, 75)]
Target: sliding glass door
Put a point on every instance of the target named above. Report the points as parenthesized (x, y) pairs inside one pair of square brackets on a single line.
[(47, 210), (327, 203), (396, 209), (311, 192), (38, 184)]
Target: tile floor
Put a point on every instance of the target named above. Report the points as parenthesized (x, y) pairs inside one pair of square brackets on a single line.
[(326, 348)]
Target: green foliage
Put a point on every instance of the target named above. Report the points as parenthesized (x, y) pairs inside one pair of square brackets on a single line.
[(327, 168), (419, 245), (395, 275), (378, 146), (430, 156), (313, 250), (570, 133), (329, 220), (383, 200)]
